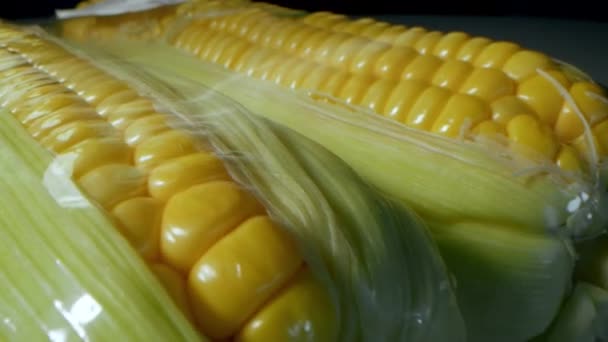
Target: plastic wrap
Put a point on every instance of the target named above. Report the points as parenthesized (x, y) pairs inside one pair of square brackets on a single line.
[(373, 257), (505, 218)]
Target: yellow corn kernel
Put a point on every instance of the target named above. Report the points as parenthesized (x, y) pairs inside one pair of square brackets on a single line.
[(568, 160), (392, 63), (239, 274), (176, 286), (427, 108), (181, 173), (581, 144), (451, 74), (568, 125), (460, 114), (489, 129), (303, 310), (354, 89), (427, 42), (376, 96), (600, 131), (540, 94), (278, 41), (40, 127), (250, 62), (95, 90), (258, 30), (233, 52), (524, 64), (144, 128), (278, 26), (449, 44), (279, 73), (591, 100), (267, 70), (374, 30), (364, 61), (354, 27), (324, 19), (317, 76), (139, 221), (334, 84), (488, 84), (311, 44), (198, 217), (111, 184), (48, 105), (165, 146), (221, 47), (296, 39), (422, 68), (391, 33), (496, 54), (294, 77), (529, 137), (508, 107), (469, 51), (344, 54), (70, 134), (410, 37), (402, 98), (124, 99), (208, 48), (95, 152), (326, 48)]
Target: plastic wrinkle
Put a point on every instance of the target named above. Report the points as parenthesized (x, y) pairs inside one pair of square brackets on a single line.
[(114, 7), (57, 179)]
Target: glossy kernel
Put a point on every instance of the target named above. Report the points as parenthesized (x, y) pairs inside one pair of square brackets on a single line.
[(410, 37), (198, 217), (540, 94), (531, 138), (111, 184), (508, 107), (365, 60), (427, 108), (524, 64), (146, 127), (391, 64), (469, 51), (94, 152), (43, 125), (239, 274), (488, 84), (427, 42), (402, 98), (355, 88), (70, 134), (449, 44), (496, 54), (344, 54), (377, 94), (139, 222), (568, 160), (302, 312), (164, 146), (181, 173), (451, 74), (460, 114), (591, 100), (422, 68)]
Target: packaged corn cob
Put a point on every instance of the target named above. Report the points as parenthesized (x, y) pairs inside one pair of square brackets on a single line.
[(135, 210), (500, 149)]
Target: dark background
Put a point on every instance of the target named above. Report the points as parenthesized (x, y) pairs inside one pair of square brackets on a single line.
[(571, 9)]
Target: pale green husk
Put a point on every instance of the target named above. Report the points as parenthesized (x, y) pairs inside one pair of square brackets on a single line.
[(66, 274)]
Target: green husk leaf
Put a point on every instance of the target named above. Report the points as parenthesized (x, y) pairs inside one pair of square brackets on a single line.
[(67, 275)]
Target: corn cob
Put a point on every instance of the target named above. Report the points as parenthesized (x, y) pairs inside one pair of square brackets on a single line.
[(233, 271), (509, 100), (169, 194)]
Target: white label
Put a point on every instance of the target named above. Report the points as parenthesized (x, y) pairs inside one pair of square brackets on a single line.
[(114, 7)]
